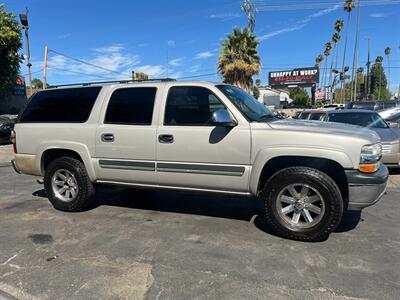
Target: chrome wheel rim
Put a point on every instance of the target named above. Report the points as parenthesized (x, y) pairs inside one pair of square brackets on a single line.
[(64, 185), (300, 205)]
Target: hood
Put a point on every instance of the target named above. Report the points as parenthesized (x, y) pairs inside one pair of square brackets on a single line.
[(326, 128), (387, 134)]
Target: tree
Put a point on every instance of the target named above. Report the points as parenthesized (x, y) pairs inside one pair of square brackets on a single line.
[(335, 40), (318, 60), (378, 81), (327, 52), (338, 28), (239, 60), (140, 76), (10, 44), (37, 83), (256, 92), (388, 51), (348, 7), (300, 97)]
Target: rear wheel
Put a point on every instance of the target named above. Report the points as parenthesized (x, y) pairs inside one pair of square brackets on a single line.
[(302, 203), (68, 185)]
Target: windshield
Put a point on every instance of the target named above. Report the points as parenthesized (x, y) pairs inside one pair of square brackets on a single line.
[(370, 120), (253, 110)]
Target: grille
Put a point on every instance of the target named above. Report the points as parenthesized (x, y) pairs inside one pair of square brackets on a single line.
[(386, 148)]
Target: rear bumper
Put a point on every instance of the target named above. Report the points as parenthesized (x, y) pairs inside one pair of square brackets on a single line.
[(366, 189), (14, 165), (26, 164)]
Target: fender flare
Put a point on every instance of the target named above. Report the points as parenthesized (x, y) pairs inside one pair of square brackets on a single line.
[(81, 149), (265, 155)]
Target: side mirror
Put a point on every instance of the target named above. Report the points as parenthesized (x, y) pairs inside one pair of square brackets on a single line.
[(222, 118)]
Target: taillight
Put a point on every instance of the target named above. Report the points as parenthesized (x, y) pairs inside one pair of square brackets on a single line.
[(13, 138)]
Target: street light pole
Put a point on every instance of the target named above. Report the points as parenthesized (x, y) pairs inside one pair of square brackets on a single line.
[(355, 59), (24, 21), (368, 67)]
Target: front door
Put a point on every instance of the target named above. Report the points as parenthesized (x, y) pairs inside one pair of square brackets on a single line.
[(193, 153), (125, 140)]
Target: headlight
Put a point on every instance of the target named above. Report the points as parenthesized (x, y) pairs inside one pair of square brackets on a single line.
[(370, 157)]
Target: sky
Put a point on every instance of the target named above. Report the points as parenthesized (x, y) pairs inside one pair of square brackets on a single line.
[(181, 39)]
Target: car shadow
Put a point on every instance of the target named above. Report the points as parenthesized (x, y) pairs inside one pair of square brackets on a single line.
[(242, 208)]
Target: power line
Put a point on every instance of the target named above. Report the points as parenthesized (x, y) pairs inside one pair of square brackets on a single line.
[(87, 63), (262, 5), (197, 76), (80, 73)]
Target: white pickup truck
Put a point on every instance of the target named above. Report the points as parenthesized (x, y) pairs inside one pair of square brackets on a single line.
[(200, 137)]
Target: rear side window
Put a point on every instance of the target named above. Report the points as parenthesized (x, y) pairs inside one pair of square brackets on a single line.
[(60, 106), (191, 106), (131, 106)]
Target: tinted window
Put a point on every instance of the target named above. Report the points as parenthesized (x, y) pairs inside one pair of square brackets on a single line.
[(132, 106), (61, 106), (371, 120), (316, 116), (191, 106), (364, 105), (304, 115)]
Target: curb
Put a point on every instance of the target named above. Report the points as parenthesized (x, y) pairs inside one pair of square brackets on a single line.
[(5, 164)]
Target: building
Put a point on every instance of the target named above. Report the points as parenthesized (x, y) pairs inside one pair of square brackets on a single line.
[(273, 97)]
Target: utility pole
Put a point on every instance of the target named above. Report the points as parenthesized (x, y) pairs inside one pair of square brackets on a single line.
[(167, 62), (368, 68), (24, 22), (46, 54), (355, 58)]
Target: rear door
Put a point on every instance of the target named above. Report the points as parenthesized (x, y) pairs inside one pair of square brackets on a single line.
[(126, 136)]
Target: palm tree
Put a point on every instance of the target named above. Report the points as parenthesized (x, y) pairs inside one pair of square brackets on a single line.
[(327, 52), (388, 51), (239, 60), (338, 27), (335, 40), (348, 7), (318, 60), (379, 60)]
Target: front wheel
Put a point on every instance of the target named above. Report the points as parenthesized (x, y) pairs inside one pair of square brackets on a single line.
[(68, 185), (302, 203)]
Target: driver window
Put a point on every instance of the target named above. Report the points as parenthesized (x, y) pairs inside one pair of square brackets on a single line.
[(191, 106)]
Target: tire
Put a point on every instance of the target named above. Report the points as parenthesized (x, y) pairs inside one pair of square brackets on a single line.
[(81, 190), (314, 191)]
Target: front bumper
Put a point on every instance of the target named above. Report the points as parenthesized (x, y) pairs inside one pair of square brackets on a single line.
[(366, 189)]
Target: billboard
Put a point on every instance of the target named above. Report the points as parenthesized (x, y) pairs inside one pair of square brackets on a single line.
[(19, 87), (295, 77)]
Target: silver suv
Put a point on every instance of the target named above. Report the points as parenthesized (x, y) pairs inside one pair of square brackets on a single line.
[(200, 137)]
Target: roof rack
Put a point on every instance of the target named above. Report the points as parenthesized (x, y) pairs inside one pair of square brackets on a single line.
[(110, 82)]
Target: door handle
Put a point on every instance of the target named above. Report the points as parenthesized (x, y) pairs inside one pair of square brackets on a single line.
[(107, 137), (166, 138)]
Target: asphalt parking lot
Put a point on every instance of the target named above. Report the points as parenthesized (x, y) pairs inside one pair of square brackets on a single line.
[(165, 245)]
